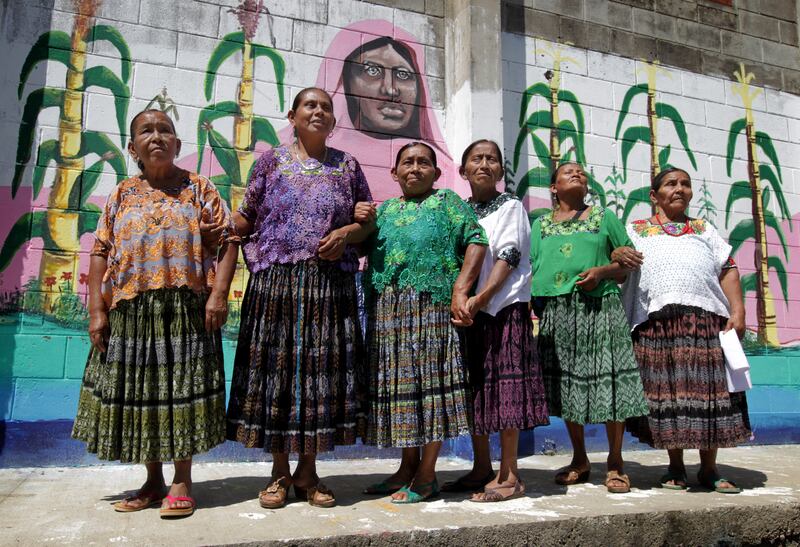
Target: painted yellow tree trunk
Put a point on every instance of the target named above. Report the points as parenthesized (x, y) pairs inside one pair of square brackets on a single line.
[(62, 223), (555, 146), (243, 123)]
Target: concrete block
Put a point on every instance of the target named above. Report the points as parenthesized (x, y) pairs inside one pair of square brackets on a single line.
[(37, 356), (590, 92), (342, 13), (629, 44), (410, 5), (281, 29), (723, 65), (45, 399), (147, 44), (620, 16), (585, 35), (731, 98), (775, 125), (76, 356), (434, 7), (788, 33), (699, 35), (512, 18), (119, 10), (722, 116), (577, 57), (301, 69), (427, 30), (672, 54), (720, 18), (706, 88), (313, 38), (602, 121), (642, 4), (194, 52), (602, 151), (174, 15), (781, 55), (667, 79), (653, 24), (514, 77), (691, 110), (759, 25), (791, 81), (438, 96), (307, 10), (783, 104), (683, 9), (542, 24), (184, 86), (434, 61), (782, 9), (569, 8), (610, 67)]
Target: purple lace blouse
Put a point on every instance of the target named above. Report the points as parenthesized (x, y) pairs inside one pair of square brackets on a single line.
[(294, 204)]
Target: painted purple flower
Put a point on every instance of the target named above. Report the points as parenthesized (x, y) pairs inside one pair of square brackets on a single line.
[(249, 13)]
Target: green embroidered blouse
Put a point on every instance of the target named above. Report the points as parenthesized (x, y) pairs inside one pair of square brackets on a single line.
[(422, 244), (562, 250)]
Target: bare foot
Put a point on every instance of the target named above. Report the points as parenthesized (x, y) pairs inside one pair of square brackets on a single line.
[(178, 489), (146, 496)]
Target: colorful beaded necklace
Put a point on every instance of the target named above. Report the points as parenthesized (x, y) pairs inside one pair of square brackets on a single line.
[(672, 230)]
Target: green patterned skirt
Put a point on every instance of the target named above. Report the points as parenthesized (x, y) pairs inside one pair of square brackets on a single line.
[(590, 375), (158, 393)]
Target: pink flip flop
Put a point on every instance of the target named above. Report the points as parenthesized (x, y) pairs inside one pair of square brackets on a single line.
[(167, 512)]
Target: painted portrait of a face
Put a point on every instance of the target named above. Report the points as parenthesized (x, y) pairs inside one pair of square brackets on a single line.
[(381, 82)]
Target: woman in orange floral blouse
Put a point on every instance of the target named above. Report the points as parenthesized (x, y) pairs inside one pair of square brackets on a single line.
[(154, 385)]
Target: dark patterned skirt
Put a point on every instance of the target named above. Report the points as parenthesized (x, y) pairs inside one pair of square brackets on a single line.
[(504, 371), (298, 376), (590, 375), (418, 387), (683, 369), (158, 393)]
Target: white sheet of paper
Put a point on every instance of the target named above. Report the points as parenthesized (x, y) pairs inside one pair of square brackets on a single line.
[(737, 369)]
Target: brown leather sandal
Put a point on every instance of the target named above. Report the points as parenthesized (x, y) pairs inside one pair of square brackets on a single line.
[(318, 495), (615, 475), (570, 475), (492, 495), (275, 494)]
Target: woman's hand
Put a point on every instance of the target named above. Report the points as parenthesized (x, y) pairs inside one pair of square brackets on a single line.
[(627, 257), (99, 330), (210, 233), (332, 246), (590, 279), (459, 310), (475, 304), (216, 311), (736, 322), (365, 212)]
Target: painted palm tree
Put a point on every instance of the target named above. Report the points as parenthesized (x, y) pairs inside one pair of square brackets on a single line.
[(68, 215), (165, 104), (758, 172), (560, 130), (706, 208), (616, 195), (659, 159), (237, 159)]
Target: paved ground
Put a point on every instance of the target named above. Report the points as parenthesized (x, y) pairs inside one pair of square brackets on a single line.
[(73, 506)]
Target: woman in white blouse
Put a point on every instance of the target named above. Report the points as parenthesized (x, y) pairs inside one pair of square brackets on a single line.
[(686, 291), (506, 381)]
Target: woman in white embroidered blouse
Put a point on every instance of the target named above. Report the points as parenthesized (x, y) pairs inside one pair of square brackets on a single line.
[(686, 291)]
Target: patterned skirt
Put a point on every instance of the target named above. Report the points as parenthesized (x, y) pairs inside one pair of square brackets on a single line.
[(158, 393), (418, 385), (299, 373), (683, 369), (504, 371), (590, 375)]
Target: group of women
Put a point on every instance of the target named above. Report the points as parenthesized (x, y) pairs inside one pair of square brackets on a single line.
[(449, 348)]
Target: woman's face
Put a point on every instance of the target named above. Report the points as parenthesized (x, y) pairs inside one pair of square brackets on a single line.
[(313, 116), (483, 168), (415, 172), (570, 178), (153, 141), (674, 194), (386, 86)]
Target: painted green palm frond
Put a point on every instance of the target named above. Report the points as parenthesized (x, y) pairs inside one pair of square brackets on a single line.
[(27, 227), (48, 153), (568, 96), (55, 45), (278, 64), (537, 120), (749, 283), (87, 220), (636, 197), (230, 44), (537, 177), (94, 142), (764, 142), (37, 101), (114, 37), (567, 131), (775, 263), (226, 156), (631, 136), (765, 197), (536, 213), (85, 185), (598, 190), (101, 76), (739, 190), (733, 134), (208, 116), (670, 113), (746, 230), (223, 185), (264, 132), (626, 105), (772, 221), (541, 89), (663, 157), (765, 172)]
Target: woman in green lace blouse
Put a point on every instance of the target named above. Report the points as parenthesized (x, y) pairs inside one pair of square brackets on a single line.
[(424, 257), (585, 350)]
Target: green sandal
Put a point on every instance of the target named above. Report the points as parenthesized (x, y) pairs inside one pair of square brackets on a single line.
[(414, 497), (382, 488), (678, 481), (714, 484)]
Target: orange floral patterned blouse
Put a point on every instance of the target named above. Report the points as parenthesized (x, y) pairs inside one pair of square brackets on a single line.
[(151, 237)]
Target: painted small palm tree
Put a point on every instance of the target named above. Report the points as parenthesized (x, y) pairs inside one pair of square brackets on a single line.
[(706, 208), (762, 217), (560, 130), (616, 196), (165, 104), (659, 159), (237, 159), (68, 215)]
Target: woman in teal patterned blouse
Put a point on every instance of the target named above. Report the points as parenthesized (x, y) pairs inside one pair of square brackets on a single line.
[(424, 257)]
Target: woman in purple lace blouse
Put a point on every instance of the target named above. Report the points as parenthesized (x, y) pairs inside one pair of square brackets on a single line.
[(298, 381)]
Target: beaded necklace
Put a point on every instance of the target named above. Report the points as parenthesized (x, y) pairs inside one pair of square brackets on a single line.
[(672, 230)]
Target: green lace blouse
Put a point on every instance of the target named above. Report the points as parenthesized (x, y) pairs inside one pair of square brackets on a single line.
[(562, 250), (422, 244)]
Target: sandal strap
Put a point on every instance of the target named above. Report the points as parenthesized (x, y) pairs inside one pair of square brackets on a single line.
[(617, 476)]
